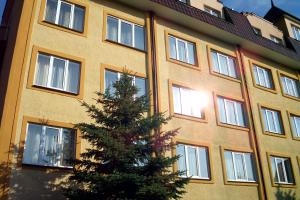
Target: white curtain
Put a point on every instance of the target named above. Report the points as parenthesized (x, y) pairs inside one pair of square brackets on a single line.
[(203, 162), (126, 34), (193, 168), (191, 53), (229, 165), (223, 65), (277, 122), (180, 150), (73, 77), (185, 101), (176, 100), (274, 171), (42, 70), (58, 73), (232, 69), (32, 144), (65, 15), (139, 37), (112, 29), (215, 62), (295, 121), (51, 9), (78, 19), (249, 166), (230, 112), (51, 148), (221, 108), (181, 51), (239, 165), (240, 114), (172, 46)]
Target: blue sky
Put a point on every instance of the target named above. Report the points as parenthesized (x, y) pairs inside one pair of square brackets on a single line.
[(2, 4), (260, 7)]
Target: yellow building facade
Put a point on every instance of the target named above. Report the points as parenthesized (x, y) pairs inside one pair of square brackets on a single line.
[(239, 134)]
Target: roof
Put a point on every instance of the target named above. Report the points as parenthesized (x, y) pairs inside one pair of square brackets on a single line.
[(275, 13)]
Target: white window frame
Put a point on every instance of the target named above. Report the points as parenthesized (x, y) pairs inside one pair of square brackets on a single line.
[(133, 25), (296, 29), (296, 132), (265, 75), (59, 144), (227, 114), (186, 49), (228, 68), (290, 91), (197, 162), (50, 73), (233, 153), (212, 11), (268, 122), (59, 2), (284, 170)]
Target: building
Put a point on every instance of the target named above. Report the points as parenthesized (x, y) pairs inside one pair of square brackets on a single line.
[(230, 80)]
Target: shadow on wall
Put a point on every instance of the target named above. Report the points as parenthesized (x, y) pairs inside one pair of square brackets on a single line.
[(30, 182), (285, 194)]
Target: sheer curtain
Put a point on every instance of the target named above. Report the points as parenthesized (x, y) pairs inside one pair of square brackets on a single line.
[(240, 114), (180, 150), (73, 77), (78, 19), (193, 169), (126, 33), (229, 165), (112, 29), (250, 167), (223, 65), (231, 66), (176, 100), (221, 108), (51, 9), (181, 51), (295, 121), (191, 52), (239, 165), (58, 73), (215, 62), (65, 15), (203, 159), (42, 70), (32, 145), (274, 171), (230, 112), (185, 101), (172, 46)]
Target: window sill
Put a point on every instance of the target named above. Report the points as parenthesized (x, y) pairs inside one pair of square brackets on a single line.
[(54, 91), (295, 138), (272, 90), (290, 97), (62, 28), (275, 134), (241, 183), (284, 185), (184, 64), (187, 117), (46, 168), (233, 126), (123, 45), (225, 76)]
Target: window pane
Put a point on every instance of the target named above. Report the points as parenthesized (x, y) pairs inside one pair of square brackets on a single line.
[(278, 123), (110, 79), (239, 164), (181, 51), (58, 73), (289, 172), (42, 70), (50, 151), (221, 107), (176, 100), (32, 144), (229, 165), (181, 162), (230, 112), (73, 77), (280, 168), (192, 156), (191, 53), (185, 101), (215, 61), (255, 72), (266, 123), (195, 99), (78, 21), (250, 167), (240, 114), (232, 70), (139, 37), (289, 84), (172, 46), (274, 170), (283, 80), (126, 33), (223, 65), (295, 122), (140, 83), (261, 75), (268, 77), (204, 163), (112, 29), (65, 15), (68, 147), (51, 11), (270, 121)]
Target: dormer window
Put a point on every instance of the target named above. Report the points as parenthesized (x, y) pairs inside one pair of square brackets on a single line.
[(276, 39), (184, 1), (296, 32), (257, 31), (212, 11)]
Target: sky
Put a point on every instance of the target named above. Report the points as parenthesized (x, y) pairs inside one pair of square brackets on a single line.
[(2, 5), (260, 7)]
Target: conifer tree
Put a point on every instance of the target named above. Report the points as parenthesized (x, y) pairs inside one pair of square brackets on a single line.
[(127, 155)]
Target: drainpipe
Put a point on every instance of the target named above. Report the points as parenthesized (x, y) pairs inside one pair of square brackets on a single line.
[(154, 63), (239, 49)]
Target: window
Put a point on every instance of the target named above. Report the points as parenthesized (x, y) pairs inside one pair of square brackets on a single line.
[(182, 50), (212, 11), (257, 31), (290, 86), (111, 77), (57, 73), (49, 146), (272, 121), (194, 161), (223, 64), (282, 170), (184, 1), (295, 124), (125, 33), (296, 32), (187, 102), (276, 39), (231, 112), (65, 14), (239, 166), (263, 77)]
